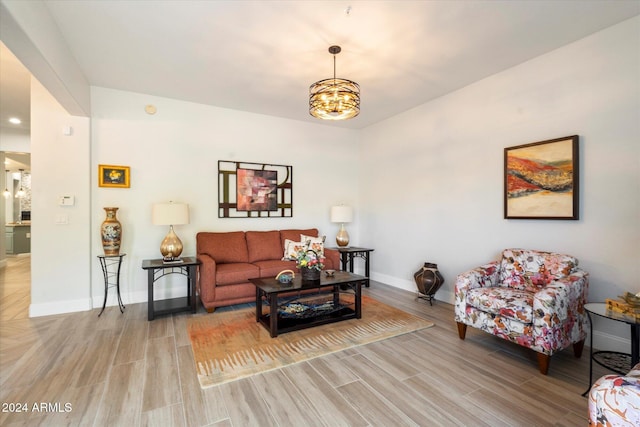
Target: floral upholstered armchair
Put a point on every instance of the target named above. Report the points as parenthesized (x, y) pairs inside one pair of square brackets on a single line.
[(532, 298), (614, 400)]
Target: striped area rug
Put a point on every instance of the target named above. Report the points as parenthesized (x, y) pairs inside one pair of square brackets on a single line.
[(231, 345)]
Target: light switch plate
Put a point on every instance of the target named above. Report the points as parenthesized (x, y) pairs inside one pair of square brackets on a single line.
[(66, 200), (62, 219)]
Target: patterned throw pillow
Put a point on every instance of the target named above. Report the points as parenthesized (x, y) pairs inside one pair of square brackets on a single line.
[(291, 249), (317, 243)]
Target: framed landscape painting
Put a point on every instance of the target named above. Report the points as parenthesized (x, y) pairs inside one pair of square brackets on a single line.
[(541, 180)]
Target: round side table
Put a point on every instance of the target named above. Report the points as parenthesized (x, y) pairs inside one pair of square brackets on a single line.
[(620, 363)]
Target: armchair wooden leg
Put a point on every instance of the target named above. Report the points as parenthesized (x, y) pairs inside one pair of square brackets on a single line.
[(543, 363), (577, 349), (211, 310), (462, 330)]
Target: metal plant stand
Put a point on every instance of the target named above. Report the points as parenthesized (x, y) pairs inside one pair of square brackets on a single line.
[(111, 277)]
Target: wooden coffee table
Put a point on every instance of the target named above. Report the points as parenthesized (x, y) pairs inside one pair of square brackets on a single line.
[(299, 305)]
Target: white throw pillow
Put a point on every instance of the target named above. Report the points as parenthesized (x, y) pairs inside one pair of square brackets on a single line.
[(291, 249), (316, 243)]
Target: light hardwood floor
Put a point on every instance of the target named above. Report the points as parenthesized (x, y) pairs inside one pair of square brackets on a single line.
[(121, 370)]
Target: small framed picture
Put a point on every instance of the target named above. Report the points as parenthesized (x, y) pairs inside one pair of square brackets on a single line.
[(113, 176)]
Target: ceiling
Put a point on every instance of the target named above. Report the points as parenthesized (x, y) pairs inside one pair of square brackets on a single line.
[(261, 56)]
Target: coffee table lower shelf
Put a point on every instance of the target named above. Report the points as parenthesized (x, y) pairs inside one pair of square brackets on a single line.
[(288, 324)]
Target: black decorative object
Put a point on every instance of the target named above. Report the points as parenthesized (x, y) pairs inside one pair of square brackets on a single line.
[(428, 280), (309, 275)]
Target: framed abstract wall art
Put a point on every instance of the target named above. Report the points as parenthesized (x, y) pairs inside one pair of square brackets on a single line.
[(541, 180), (114, 176), (254, 190)]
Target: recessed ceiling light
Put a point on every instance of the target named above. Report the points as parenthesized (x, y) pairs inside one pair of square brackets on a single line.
[(15, 120)]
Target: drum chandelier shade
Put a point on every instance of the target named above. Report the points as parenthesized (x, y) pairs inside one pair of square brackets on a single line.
[(334, 99)]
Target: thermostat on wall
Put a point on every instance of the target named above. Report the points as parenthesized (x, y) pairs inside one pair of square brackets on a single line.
[(67, 201)]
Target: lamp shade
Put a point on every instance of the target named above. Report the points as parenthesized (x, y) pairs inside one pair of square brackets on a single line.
[(170, 214), (341, 214)]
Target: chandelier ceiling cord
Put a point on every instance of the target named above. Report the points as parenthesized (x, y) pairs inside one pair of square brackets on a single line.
[(334, 99)]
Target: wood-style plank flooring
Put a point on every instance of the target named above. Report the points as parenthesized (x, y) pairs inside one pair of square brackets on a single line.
[(121, 370)]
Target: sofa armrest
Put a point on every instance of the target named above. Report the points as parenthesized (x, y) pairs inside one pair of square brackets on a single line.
[(207, 278), (480, 277), (333, 258), (561, 298)]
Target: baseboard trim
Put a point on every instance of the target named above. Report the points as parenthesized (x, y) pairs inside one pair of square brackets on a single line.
[(160, 293), (602, 341), (59, 307)]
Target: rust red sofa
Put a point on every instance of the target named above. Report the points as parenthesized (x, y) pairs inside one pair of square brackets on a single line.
[(230, 259)]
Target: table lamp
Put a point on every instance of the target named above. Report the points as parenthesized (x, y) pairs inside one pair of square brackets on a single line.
[(342, 214), (170, 214)]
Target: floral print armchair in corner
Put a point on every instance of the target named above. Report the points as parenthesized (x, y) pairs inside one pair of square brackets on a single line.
[(614, 400), (532, 298)]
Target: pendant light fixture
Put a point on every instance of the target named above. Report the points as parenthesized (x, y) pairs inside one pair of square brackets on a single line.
[(21, 193), (334, 99), (6, 192)]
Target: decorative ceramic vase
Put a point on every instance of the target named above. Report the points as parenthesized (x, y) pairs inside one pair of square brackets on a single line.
[(111, 232), (309, 274), (428, 280)]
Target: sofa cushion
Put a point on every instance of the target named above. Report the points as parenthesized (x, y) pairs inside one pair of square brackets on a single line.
[(505, 302), (295, 234), (223, 247), (533, 270), (263, 245), (235, 272), (271, 268)]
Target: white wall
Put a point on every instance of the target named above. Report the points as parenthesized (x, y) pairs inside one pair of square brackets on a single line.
[(432, 177), (173, 155), (60, 253)]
